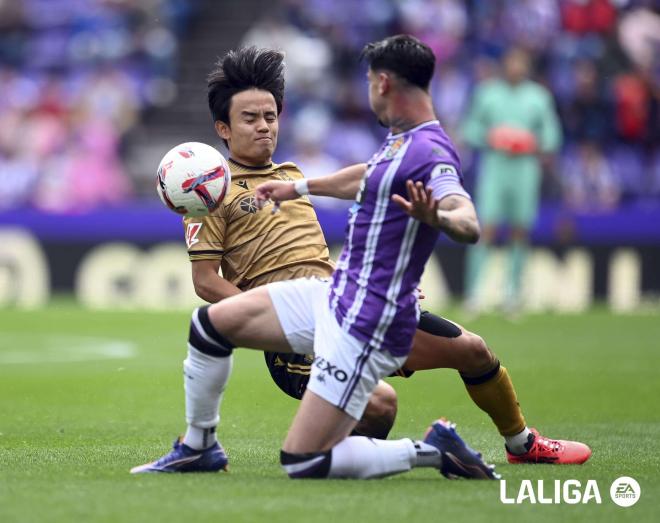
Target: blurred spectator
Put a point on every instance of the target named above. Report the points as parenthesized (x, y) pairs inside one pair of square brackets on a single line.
[(86, 174), (632, 100), (587, 16), (75, 77), (108, 94), (311, 130), (639, 32), (17, 181), (588, 183), (588, 116), (441, 24)]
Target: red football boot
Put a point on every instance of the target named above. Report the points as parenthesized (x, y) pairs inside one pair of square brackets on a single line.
[(557, 451)]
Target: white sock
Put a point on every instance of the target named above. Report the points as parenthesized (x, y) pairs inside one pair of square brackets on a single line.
[(205, 378), (361, 457), (518, 444), (426, 455)]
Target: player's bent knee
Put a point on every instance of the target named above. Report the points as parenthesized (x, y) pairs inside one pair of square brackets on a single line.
[(478, 358), (204, 337), (380, 413), (314, 465), (384, 400)]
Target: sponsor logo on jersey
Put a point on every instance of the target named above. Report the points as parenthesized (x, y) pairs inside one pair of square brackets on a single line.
[(326, 367), (243, 184), (192, 231), (443, 168)]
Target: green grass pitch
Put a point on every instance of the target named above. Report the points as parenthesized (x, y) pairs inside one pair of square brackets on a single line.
[(86, 395)]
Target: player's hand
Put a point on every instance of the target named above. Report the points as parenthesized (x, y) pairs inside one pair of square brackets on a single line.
[(275, 191), (421, 204)]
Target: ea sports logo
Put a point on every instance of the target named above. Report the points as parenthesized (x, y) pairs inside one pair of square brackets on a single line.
[(625, 491)]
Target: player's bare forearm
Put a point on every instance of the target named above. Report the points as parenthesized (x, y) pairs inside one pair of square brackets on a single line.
[(457, 218), (209, 285), (343, 184)]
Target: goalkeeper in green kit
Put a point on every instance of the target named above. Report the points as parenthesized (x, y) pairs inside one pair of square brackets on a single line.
[(513, 122)]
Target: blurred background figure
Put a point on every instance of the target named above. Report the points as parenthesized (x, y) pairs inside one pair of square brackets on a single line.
[(588, 183), (513, 122)]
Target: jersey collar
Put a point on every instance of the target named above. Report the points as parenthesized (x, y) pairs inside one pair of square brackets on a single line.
[(251, 167), (416, 128)]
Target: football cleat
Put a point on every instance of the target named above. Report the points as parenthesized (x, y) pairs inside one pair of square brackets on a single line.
[(458, 459), (545, 450), (182, 458)]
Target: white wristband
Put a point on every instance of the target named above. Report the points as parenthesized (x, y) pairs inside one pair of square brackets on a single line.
[(301, 187)]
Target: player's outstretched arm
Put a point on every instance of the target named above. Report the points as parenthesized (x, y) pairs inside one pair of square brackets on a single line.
[(343, 184), (454, 215)]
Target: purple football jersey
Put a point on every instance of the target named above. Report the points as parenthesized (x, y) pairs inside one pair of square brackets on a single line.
[(374, 287)]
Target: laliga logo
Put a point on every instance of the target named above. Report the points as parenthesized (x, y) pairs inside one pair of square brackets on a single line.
[(625, 492), (569, 492)]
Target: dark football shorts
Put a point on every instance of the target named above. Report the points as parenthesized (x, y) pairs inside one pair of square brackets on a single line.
[(291, 371)]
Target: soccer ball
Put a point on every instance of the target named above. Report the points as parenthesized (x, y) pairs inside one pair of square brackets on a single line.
[(193, 179)]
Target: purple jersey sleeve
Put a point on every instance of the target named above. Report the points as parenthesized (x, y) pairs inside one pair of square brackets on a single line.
[(445, 180)]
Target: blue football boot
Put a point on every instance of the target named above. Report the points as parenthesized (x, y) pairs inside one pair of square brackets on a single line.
[(182, 458), (458, 459)]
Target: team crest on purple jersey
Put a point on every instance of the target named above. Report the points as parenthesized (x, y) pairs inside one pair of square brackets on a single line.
[(394, 148), (373, 293)]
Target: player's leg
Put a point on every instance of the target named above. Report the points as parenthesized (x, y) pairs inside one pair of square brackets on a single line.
[(291, 372), (317, 444), (248, 319), (524, 198), (440, 343), (380, 413)]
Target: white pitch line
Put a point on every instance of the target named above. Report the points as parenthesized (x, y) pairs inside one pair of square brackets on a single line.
[(23, 348)]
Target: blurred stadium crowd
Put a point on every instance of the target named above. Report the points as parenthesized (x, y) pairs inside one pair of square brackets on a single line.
[(78, 76)]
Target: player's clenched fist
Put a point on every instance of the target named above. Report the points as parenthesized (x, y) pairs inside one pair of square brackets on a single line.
[(276, 191)]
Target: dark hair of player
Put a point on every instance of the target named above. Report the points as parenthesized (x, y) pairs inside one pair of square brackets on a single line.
[(403, 55), (243, 69)]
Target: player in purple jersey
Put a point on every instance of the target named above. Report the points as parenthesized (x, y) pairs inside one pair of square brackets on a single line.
[(373, 294)]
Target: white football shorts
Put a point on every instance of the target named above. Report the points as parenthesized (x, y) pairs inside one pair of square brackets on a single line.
[(345, 369)]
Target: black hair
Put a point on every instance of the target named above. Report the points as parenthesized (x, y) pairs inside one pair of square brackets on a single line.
[(243, 69), (403, 55)]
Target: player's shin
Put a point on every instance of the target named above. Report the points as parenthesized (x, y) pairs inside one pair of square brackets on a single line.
[(364, 458), (493, 392), (359, 457), (206, 372)]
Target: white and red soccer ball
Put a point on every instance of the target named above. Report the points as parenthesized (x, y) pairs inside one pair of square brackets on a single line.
[(193, 178)]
